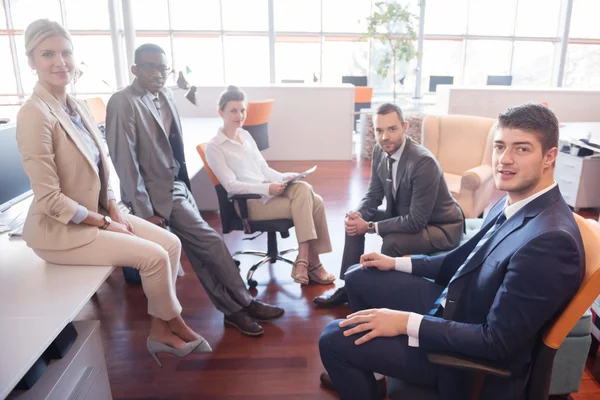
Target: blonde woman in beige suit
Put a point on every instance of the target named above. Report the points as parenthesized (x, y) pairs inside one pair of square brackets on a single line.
[(74, 218)]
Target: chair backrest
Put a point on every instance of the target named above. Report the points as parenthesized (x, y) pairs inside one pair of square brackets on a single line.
[(589, 290), (363, 94), (230, 221), (499, 80), (439, 80), (257, 118), (459, 142), (98, 108)]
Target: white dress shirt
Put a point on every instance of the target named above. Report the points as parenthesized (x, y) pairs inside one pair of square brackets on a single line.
[(396, 156), (404, 264), (240, 168)]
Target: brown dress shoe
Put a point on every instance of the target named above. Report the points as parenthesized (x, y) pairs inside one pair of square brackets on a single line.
[(244, 323), (328, 383), (263, 311)]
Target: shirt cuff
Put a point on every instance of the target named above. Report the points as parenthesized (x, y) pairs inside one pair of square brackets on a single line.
[(412, 329), (80, 214), (403, 264), (377, 227), (111, 195)]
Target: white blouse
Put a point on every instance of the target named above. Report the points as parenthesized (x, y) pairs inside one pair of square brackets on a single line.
[(240, 168)]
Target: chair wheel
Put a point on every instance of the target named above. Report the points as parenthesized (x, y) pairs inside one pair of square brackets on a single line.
[(237, 263), (252, 284)]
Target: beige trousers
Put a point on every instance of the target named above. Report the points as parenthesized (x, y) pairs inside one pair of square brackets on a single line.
[(301, 204), (154, 251)]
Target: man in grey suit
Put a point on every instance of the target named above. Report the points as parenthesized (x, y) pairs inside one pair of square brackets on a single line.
[(144, 136), (421, 216)]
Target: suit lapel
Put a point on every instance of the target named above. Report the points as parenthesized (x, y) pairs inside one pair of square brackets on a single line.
[(57, 110), (515, 222), (88, 122), (401, 167), (148, 102), (176, 120)]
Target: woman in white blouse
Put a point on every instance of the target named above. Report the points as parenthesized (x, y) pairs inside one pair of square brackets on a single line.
[(241, 169)]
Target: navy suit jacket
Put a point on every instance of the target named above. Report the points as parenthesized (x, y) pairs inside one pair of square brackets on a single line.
[(512, 288)]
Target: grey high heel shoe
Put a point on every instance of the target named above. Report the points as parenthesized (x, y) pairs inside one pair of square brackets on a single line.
[(203, 347), (155, 347)]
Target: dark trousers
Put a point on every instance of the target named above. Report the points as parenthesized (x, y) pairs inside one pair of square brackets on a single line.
[(351, 367), (394, 245)]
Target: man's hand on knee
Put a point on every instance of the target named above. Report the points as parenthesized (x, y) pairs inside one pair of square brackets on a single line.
[(379, 322), (379, 261), (355, 226)]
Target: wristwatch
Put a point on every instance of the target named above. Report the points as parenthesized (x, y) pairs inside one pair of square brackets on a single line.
[(107, 221), (371, 227)]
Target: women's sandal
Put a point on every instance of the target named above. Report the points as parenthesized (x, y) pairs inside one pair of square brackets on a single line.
[(298, 277), (317, 273)]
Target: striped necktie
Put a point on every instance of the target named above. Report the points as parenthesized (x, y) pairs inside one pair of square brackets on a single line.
[(441, 301)]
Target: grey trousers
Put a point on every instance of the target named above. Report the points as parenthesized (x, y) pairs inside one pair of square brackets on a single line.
[(394, 245), (208, 254)]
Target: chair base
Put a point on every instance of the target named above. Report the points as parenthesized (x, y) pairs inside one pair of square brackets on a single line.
[(266, 258)]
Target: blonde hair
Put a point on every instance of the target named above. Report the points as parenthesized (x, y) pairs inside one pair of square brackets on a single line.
[(40, 30)]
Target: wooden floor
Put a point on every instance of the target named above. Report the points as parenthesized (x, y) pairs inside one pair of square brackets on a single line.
[(284, 363)]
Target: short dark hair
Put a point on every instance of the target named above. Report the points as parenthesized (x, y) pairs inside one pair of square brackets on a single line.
[(147, 48), (387, 108), (534, 118), (232, 93)]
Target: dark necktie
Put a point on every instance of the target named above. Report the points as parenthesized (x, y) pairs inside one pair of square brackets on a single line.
[(438, 303), (389, 187)]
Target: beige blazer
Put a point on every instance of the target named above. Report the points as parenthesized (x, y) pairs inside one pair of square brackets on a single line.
[(62, 173)]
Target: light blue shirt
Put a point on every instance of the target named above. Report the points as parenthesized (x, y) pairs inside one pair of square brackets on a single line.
[(83, 212)]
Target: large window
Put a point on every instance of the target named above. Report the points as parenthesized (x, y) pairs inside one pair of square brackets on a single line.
[(342, 57), (247, 60), (297, 16), (297, 59), (316, 41), (582, 66), (484, 58), (202, 57)]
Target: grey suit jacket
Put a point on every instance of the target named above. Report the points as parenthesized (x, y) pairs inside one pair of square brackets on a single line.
[(141, 151), (423, 200)]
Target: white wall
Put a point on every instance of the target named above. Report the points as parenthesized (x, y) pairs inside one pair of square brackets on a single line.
[(307, 122), (488, 101)]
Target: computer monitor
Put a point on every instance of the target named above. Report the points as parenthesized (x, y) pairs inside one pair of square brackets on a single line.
[(499, 80), (355, 80), (14, 183), (435, 80)]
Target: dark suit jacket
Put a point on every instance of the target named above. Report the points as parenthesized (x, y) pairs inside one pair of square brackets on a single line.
[(141, 151), (508, 292), (423, 200)]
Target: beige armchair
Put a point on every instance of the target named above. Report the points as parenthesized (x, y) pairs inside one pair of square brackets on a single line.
[(463, 147)]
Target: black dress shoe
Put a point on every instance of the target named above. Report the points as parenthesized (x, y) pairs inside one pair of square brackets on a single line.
[(263, 311), (328, 383), (336, 299), (244, 323)]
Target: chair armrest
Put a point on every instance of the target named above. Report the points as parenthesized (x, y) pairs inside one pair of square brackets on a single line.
[(245, 196), (475, 177), (468, 363), (242, 202)]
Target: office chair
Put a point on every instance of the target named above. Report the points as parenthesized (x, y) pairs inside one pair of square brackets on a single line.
[(257, 122), (439, 80), (355, 80), (231, 221), (499, 80), (543, 357)]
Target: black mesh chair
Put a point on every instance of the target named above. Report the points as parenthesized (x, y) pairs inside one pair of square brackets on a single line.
[(231, 221)]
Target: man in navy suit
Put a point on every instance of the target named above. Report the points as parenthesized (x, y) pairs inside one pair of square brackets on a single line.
[(490, 298)]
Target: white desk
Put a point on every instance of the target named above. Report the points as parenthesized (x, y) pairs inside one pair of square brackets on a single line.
[(37, 300)]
